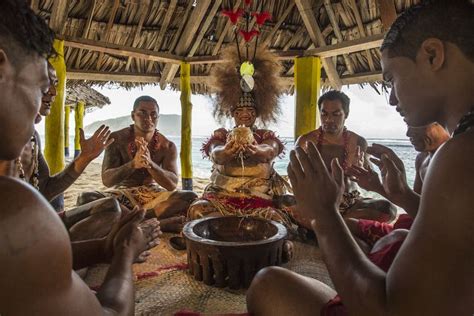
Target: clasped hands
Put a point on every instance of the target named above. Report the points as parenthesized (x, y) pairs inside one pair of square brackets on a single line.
[(142, 158)]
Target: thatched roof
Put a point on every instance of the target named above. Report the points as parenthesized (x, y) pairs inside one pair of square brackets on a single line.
[(92, 98), (143, 41)]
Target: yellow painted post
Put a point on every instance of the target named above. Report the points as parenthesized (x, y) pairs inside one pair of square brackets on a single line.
[(186, 116), (307, 86), (54, 124), (67, 111), (79, 120)]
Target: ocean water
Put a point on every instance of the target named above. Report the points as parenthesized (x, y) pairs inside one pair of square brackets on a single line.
[(202, 166)]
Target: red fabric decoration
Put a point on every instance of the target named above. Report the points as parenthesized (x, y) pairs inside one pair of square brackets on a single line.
[(233, 16), (261, 17), (248, 35)]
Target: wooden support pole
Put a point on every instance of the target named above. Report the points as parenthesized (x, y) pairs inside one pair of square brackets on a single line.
[(79, 120), (54, 124), (307, 84), (186, 121), (67, 111)]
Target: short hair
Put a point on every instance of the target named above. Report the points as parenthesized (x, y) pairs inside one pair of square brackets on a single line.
[(336, 95), (23, 33), (145, 98), (448, 20)]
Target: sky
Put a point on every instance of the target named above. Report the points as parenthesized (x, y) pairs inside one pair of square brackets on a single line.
[(370, 115)]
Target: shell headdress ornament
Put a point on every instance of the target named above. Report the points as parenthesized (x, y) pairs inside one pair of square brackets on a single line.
[(252, 80)]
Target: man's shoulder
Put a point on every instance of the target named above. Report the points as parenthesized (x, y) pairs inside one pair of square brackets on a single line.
[(27, 217), (121, 133), (166, 142)]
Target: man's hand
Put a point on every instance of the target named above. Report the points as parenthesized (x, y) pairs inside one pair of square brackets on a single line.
[(132, 234), (316, 190), (92, 147), (140, 161), (393, 173), (367, 179)]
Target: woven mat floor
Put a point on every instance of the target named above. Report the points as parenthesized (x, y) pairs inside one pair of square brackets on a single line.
[(163, 285)]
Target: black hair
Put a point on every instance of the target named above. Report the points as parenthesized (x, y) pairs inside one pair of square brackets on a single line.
[(145, 98), (448, 20), (23, 33), (336, 95)]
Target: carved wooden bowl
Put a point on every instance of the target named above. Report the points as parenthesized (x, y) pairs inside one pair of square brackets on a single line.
[(230, 250)]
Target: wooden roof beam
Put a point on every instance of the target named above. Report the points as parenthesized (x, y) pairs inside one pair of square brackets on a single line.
[(59, 14), (373, 41), (163, 28), (194, 22), (277, 25), (361, 27), (85, 34), (150, 78), (312, 27), (337, 32), (227, 27), (388, 13), (108, 28), (144, 7), (114, 49)]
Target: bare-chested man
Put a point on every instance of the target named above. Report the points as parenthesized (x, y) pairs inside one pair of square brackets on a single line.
[(33, 237), (431, 68), (379, 239), (335, 141), (141, 166), (89, 221)]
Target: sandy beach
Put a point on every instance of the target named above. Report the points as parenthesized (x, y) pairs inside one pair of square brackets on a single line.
[(90, 180)]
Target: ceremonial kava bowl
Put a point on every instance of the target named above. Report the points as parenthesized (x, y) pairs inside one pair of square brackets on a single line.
[(230, 250)]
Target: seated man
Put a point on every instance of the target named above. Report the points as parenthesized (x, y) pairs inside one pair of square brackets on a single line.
[(335, 141), (371, 235), (243, 181), (33, 238), (90, 221), (141, 167), (419, 56)]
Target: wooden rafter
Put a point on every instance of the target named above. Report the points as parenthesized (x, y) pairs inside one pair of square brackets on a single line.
[(174, 42), (277, 25), (144, 7), (163, 28), (337, 32), (119, 50), (186, 39), (360, 25), (312, 27), (108, 28), (59, 14), (227, 28), (360, 44), (85, 34), (151, 78), (388, 12)]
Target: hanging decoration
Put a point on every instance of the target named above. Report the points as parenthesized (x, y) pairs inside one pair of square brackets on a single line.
[(247, 69)]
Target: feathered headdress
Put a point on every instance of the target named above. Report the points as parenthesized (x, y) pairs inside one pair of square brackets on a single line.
[(252, 80), (255, 84)]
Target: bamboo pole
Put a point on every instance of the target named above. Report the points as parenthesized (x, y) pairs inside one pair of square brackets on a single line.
[(67, 111), (54, 124), (307, 86), (79, 119), (186, 120)]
